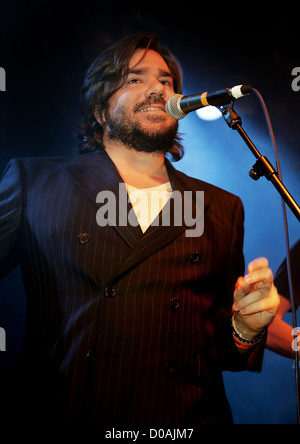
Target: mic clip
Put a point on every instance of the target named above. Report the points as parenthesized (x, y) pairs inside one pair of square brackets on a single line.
[(230, 116), (263, 166)]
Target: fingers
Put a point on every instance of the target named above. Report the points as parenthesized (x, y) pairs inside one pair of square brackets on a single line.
[(258, 263), (258, 278), (255, 302), (253, 287)]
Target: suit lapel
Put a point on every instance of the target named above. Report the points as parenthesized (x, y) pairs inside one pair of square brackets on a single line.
[(96, 173), (169, 224), (98, 179)]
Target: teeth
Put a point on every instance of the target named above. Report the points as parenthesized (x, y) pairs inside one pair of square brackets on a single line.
[(151, 108)]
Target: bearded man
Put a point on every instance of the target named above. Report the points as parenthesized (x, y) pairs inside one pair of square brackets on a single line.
[(130, 321)]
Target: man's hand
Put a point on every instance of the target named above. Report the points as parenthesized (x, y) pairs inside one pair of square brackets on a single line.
[(256, 300)]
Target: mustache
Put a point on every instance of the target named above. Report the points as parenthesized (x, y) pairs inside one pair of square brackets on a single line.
[(151, 100)]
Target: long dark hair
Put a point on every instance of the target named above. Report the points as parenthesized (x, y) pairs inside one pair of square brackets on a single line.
[(105, 76)]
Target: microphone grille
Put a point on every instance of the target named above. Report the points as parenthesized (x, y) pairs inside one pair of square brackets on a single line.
[(173, 107)]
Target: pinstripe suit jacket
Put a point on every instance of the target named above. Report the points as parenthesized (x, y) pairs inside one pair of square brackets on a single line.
[(121, 327)]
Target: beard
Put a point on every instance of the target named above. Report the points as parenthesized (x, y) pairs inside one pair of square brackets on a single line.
[(131, 134)]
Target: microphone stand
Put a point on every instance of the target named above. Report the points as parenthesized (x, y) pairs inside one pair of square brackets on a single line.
[(262, 166)]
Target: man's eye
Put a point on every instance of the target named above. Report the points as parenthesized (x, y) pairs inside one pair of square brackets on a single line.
[(133, 81)]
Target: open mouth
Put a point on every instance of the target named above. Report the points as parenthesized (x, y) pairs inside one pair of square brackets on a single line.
[(152, 108), (153, 104)]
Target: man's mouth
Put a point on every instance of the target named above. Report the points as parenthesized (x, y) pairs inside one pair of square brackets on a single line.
[(152, 104), (152, 108)]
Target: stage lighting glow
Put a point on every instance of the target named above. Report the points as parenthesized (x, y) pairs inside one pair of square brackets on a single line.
[(209, 113)]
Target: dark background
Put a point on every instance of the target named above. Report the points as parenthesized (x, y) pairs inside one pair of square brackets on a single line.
[(45, 49)]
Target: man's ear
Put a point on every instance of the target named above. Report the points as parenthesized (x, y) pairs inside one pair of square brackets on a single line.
[(100, 117)]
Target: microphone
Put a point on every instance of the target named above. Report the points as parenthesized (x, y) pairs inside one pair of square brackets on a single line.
[(178, 106)]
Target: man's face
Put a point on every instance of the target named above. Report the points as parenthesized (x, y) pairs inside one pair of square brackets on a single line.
[(136, 115)]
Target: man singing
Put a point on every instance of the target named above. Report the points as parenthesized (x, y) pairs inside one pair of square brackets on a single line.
[(131, 321)]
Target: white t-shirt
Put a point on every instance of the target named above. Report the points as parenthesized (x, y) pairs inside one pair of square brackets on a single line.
[(148, 202)]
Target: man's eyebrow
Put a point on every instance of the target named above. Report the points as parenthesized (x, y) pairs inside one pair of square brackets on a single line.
[(166, 74), (136, 71), (141, 71)]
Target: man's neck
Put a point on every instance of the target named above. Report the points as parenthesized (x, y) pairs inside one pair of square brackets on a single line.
[(139, 169)]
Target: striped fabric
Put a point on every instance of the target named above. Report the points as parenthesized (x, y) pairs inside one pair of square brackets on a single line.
[(122, 327)]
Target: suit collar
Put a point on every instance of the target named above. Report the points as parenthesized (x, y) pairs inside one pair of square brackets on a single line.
[(159, 235), (94, 173)]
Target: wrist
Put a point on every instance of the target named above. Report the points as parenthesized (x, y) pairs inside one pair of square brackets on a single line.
[(244, 333)]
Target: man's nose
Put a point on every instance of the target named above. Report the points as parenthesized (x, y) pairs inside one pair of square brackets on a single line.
[(155, 87)]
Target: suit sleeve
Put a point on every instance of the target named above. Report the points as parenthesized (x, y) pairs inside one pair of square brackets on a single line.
[(10, 215), (231, 358)]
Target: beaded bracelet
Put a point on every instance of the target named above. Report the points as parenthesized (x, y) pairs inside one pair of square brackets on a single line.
[(243, 342)]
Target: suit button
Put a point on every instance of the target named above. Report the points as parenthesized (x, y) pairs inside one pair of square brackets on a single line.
[(175, 304), (170, 368), (83, 238), (195, 257), (110, 292), (91, 356)]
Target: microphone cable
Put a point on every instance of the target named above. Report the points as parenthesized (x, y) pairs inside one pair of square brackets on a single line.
[(288, 256)]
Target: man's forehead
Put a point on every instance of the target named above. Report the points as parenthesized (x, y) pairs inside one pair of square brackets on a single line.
[(147, 58)]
